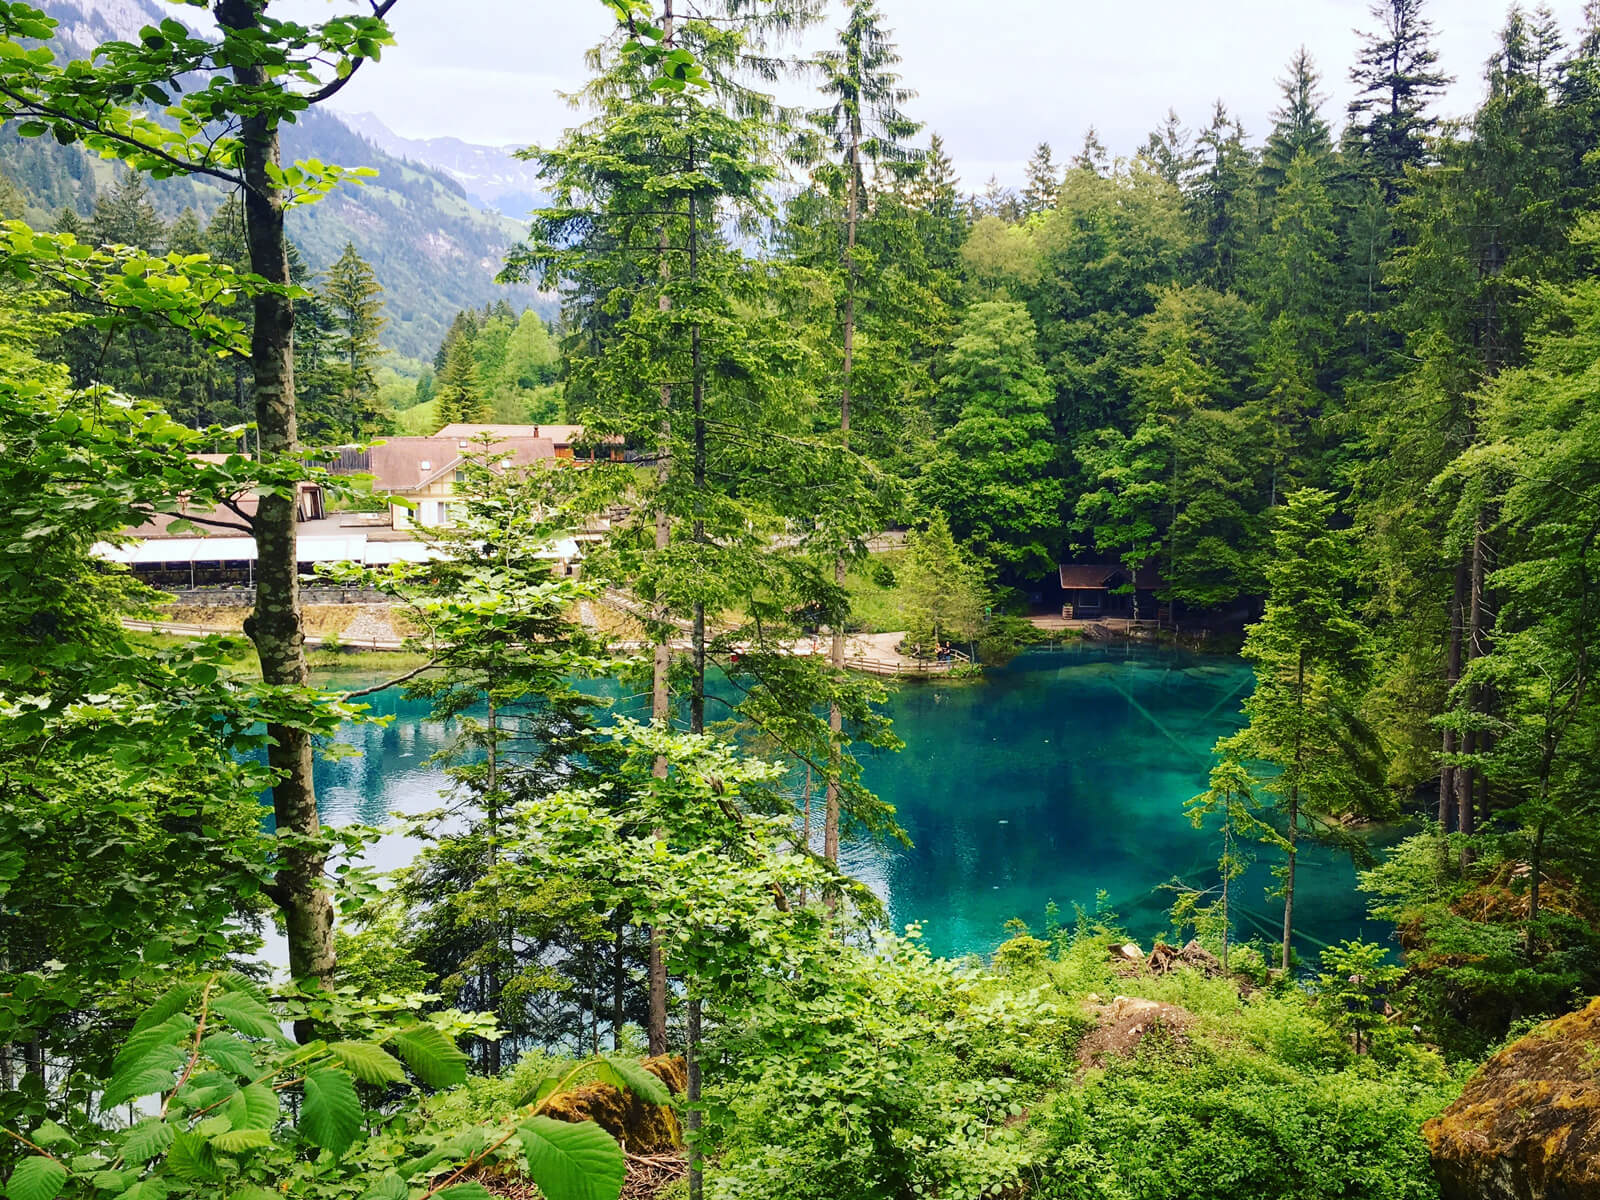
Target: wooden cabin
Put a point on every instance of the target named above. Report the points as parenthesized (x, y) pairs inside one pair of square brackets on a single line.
[(1108, 589)]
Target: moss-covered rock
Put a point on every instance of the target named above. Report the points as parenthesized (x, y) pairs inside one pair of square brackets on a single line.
[(1527, 1126), (637, 1124)]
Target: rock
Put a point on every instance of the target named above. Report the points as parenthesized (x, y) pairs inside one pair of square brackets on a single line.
[(1128, 952), (1527, 1125), (638, 1125), (1127, 1021)]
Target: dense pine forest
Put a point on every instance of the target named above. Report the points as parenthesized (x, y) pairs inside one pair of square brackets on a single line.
[(1322, 394)]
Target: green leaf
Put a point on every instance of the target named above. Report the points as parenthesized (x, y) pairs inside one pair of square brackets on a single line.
[(248, 1015), (192, 1157), (332, 1113), (630, 1075), (50, 1135), (140, 1083), (467, 1191), (235, 1141), (251, 1191), (369, 1063), (229, 1053), (147, 1139), (390, 1187), (142, 1043), (437, 1061), (261, 1107), (541, 1090), (36, 1178), (573, 1161)]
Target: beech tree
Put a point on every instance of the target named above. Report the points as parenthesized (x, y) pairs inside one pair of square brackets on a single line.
[(259, 73), (994, 473)]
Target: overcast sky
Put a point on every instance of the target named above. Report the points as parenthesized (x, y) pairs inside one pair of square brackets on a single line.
[(995, 77)]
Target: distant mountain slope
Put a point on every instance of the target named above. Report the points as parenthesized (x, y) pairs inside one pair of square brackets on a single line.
[(492, 176), (433, 249)]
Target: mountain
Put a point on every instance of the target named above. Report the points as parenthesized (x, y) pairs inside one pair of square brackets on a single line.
[(492, 176), (434, 249)]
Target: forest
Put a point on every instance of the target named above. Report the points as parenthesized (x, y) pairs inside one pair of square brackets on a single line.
[(1331, 385)]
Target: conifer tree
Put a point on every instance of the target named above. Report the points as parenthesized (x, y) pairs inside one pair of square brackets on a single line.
[(1298, 125), (862, 124), (1311, 658), (1221, 201), (1092, 156), (942, 592), (1396, 73), (126, 216), (1170, 151), (459, 389), (1044, 181), (354, 299)]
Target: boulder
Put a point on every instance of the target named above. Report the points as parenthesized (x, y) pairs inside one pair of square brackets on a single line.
[(1527, 1125), (1127, 952), (1121, 1025), (637, 1124)]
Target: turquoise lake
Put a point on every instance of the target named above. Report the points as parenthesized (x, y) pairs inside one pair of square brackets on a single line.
[(1059, 775)]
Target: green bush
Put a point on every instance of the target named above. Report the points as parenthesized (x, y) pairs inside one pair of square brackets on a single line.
[(1208, 1125)]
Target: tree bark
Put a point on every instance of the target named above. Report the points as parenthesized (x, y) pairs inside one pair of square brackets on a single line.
[(275, 625), (1452, 676), (1293, 832), (619, 978), (830, 828), (697, 386), (692, 1121), (661, 675), (1476, 641)]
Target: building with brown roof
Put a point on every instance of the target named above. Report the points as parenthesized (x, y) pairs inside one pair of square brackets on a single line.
[(565, 438), (424, 471), (1108, 589)]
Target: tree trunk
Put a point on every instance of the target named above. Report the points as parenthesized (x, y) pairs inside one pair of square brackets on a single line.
[(1293, 832), (1476, 641), (275, 625), (619, 976), (830, 828), (661, 677), (1452, 676), (697, 386), (692, 1121), (1227, 854)]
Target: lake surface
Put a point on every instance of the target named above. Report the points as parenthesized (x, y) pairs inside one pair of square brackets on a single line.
[(1058, 775)]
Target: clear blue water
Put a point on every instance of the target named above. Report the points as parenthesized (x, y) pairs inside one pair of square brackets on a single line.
[(1055, 777)]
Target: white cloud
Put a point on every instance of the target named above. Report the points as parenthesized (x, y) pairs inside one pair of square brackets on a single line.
[(994, 78)]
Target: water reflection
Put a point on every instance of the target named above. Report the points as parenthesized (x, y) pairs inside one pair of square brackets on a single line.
[(1057, 776)]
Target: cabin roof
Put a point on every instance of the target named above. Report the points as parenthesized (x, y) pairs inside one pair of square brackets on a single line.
[(561, 435), (1104, 576)]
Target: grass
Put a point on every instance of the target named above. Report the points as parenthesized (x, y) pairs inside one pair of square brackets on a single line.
[(874, 607)]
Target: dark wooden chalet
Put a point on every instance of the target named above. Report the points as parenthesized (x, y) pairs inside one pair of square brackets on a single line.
[(1101, 589)]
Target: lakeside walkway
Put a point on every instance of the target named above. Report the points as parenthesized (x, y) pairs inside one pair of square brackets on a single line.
[(871, 653)]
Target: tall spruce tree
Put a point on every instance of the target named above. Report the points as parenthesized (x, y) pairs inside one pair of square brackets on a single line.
[(862, 124), (1298, 127), (1397, 79), (354, 298), (1044, 181), (1311, 658)]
